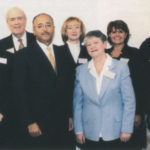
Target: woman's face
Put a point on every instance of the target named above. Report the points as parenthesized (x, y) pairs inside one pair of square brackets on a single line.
[(117, 36), (73, 31), (95, 46)]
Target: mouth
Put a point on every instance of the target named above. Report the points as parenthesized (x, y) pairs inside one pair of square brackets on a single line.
[(17, 27), (93, 50), (74, 34), (117, 38), (45, 34)]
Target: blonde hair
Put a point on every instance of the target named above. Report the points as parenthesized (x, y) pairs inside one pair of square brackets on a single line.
[(64, 28)]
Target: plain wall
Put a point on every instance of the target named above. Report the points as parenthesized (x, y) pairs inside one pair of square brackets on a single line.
[(96, 14)]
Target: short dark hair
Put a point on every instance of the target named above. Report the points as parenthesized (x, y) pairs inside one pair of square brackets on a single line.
[(118, 24), (41, 15), (95, 33)]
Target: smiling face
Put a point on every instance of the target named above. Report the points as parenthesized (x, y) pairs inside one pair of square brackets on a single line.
[(73, 31), (43, 29), (117, 36), (95, 46), (16, 21)]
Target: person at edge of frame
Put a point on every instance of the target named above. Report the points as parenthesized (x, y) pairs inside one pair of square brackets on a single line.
[(19, 38)]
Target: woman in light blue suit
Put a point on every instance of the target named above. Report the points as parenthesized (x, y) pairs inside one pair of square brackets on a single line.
[(104, 101)]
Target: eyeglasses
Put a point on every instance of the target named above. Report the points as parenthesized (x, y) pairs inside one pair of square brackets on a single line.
[(44, 26)]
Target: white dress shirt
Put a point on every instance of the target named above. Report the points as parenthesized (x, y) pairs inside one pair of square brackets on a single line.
[(17, 43), (44, 48), (75, 50), (99, 77)]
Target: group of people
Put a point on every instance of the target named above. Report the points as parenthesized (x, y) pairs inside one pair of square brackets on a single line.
[(48, 99)]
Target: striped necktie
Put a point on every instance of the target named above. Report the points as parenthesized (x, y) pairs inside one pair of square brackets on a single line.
[(21, 44)]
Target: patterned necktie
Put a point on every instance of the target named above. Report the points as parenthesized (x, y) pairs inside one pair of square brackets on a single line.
[(21, 44), (51, 58)]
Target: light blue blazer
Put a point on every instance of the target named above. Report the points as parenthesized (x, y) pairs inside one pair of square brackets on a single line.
[(109, 113)]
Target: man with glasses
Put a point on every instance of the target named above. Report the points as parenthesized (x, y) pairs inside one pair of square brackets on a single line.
[(41, 78)]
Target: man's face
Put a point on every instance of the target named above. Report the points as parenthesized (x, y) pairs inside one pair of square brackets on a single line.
[(16, 22), (43, 29)]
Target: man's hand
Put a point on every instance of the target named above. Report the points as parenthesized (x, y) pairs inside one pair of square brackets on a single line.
[(1, 117), (70, 124), (80, 138), (124, 137), (137, 120), (34, 130)]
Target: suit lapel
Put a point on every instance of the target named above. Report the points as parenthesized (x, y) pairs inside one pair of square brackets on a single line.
[(106, 82), (57, 59), (10, 44), (69, 54), (43, 59), (90, 86)]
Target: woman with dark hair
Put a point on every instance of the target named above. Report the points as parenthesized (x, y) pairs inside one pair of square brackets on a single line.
[(118, 36)]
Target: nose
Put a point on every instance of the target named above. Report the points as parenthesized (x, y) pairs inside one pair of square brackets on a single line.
[(16, 21), (45, 27), (73, 29), (92, 47), (117, 33)]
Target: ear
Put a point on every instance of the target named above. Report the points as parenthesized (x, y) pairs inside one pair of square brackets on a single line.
[(34, 31)]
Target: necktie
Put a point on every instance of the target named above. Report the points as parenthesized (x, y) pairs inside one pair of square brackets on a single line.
[(21, 44), (51, 58)]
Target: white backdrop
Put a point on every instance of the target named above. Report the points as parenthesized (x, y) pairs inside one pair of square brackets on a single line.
[(96, 14)]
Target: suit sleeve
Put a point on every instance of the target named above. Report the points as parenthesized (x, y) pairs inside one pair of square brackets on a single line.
[(77, 104), (128, 99), (21, 87)]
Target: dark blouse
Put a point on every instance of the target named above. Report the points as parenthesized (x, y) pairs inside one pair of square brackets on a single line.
[(131, 55)]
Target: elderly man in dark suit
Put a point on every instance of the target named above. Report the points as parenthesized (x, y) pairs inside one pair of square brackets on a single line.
[(41, 78), (19, 38), (16, 21)]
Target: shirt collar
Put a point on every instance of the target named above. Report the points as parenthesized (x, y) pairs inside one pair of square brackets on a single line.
[(16, 43), (44, 48), (107, 63), (92, 68)]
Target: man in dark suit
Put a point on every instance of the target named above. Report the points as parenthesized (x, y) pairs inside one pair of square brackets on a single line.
[(145, 77), (16, 21), (41, 79), (19, 38)]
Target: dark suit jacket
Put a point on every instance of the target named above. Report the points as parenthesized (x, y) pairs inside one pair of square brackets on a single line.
[(7, 52), (6, 69), (5, 45), (40, 93), (145, 76), (7, 42), (72, 64)]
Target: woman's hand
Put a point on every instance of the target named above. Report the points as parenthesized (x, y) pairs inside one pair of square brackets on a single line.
[(80, 138), (124, 137)]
